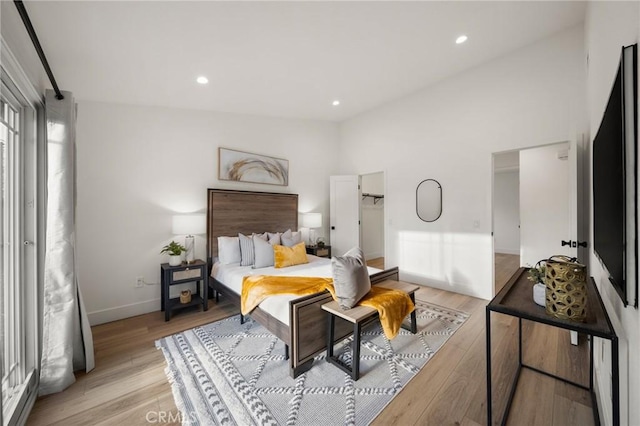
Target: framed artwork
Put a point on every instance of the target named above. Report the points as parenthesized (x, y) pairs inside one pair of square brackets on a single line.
[(247, 167)]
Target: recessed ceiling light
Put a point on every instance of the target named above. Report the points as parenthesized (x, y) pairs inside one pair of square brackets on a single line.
[(461, 39), (202, 80), (335, 103)]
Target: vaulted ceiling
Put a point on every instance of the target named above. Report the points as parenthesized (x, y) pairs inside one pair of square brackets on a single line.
[(286, 59)]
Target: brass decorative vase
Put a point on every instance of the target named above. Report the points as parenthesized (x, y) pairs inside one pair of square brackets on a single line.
[(566, 289)]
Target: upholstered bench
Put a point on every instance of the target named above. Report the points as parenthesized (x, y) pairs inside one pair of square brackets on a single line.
[(359, 316)]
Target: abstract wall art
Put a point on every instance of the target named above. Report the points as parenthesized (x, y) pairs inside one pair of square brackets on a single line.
[(242, 166)]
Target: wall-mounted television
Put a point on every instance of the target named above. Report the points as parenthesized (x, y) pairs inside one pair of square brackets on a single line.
[(615, 182)]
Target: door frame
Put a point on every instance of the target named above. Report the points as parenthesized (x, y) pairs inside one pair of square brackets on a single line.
[(578, 185), (385, 230)]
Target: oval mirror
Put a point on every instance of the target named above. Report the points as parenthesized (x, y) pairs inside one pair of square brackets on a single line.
[(429, 200)]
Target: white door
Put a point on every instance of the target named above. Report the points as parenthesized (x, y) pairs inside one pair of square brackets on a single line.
[(549, 202), (344, 213)]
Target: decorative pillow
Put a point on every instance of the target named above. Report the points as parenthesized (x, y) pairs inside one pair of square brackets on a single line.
[(264, 235), (228, 250), (274, 238), (247, 255), (290, 239), (289, 256), (263, 252), (350, 277)]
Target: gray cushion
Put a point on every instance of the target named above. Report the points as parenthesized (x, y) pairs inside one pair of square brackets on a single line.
[(350, 277), (246, 250), (290, 239), (274, 238), (263, 252)]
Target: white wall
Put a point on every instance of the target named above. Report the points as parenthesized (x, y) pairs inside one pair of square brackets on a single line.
[(506, 212), (609, 26), (372, 216), (137, 166), (14, 33), (448, 132)]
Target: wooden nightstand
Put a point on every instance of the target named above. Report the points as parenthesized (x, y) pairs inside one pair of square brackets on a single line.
[(319, 251), (172, 275)]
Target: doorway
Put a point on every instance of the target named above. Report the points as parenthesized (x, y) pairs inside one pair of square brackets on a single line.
[(506, 216), (535, 199), (356, 207), (372, 218)]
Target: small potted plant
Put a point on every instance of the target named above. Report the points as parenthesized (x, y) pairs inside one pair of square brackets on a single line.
[(174, 250), (537, 275)]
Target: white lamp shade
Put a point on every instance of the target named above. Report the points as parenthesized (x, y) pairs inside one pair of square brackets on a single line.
[(312, 220), (191, 224)]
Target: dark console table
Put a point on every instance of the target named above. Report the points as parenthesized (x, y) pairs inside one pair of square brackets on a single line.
[(516, 299)]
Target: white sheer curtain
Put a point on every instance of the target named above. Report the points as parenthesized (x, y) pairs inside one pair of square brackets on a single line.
[(67, 343)]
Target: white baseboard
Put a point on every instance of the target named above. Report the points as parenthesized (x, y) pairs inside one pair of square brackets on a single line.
[(507, 251), (461, 288), (122, 312)]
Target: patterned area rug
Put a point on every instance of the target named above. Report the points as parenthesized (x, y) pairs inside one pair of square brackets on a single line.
[(232, 373)]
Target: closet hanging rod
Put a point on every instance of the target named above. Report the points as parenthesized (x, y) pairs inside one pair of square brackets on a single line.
[(376, 197), (34, 38)]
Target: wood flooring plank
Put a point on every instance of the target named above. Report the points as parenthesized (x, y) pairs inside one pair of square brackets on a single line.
[(571, 358), (450, 404), (570, 413), (91, 402), (460, 390), (466, 335), (378, 263), (540, 346), (413, 399), (505, 266), (143, 414), (531, 402), (473, 366), (466, 421), (132, 405)]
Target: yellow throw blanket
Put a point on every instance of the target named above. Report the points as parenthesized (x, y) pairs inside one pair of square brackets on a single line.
[(256, 288), (392, 305)]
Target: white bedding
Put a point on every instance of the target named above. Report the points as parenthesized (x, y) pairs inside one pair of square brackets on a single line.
[(277, 306)]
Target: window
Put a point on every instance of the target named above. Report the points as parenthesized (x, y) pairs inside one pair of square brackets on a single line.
[(18, 273)]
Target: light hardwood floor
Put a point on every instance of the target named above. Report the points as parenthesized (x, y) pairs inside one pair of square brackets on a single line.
[(129, 381), (378, 262), (506, 265)]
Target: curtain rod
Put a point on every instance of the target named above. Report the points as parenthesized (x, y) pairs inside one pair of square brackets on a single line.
[(36, 44)]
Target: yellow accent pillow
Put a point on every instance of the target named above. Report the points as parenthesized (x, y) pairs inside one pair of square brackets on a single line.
[(289, 256)]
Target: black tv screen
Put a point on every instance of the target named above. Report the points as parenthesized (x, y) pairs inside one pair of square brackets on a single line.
[(609, 188), (614, 188)]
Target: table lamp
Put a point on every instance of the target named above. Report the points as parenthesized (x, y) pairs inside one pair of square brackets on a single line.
[(189, 225), (312, 221)]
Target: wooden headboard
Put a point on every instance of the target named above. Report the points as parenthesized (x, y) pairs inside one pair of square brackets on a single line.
[(230, 212)]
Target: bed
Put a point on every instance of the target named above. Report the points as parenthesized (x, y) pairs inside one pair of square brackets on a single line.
[(230, 212)]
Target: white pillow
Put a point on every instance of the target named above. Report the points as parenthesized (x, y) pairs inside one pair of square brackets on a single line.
[(290, 239), (263, 252), (228, 250)]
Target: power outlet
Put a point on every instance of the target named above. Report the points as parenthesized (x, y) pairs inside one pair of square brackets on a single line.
[(139, 282)]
